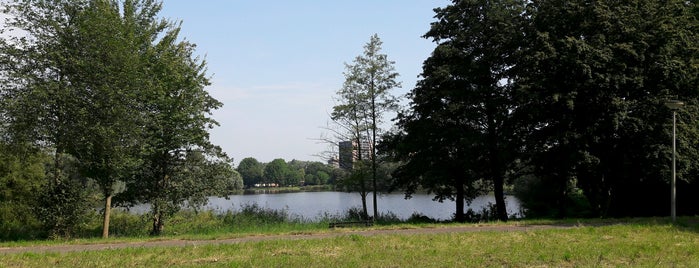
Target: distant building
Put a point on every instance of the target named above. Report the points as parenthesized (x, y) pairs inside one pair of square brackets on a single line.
[(349, 153), (334, 162)]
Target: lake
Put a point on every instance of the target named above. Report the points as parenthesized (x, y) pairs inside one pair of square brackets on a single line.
[(313, 205)]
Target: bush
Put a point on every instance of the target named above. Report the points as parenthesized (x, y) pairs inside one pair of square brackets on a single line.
[(419, 218), (63, 208), (540, 200), (254, 214), (486, 214), (17, 222), (123, 223)]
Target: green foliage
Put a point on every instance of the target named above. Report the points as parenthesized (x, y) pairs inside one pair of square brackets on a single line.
[(286, 174), (76, 82), (235, 182), (21, 173), (362, 101), (294, 176), (111, 84), (577, 85), (63, 203), (276, 172), (595, 77), (255, 215), (190, 179), (539, 200), (21, 179), (251, 170), (459, 128)]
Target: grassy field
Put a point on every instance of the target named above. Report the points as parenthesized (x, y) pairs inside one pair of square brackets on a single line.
[(641, 243)]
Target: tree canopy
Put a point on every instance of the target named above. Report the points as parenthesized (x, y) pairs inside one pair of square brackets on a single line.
[(112, 85), (564, 98)]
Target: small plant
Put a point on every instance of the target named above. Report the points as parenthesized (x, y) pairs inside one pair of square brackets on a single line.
[(419, 218)]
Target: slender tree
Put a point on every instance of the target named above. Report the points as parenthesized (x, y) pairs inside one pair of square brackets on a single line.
[(348, 115), (366, 98)]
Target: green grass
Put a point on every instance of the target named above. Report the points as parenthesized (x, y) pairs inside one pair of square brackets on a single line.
[(595, 242), (644, 243)]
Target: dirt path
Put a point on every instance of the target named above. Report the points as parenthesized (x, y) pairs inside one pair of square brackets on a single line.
[(331, 234)]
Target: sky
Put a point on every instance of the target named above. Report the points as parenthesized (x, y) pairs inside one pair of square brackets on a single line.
[(276, 65)]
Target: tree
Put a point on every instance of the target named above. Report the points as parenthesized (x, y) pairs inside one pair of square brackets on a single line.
[(317, 173), (251, 170), (77, 75), (596, 75), (109, 83), (464, 102), (294, 177), (364, 99), (296, 172), (276, 171), (236, 182), (176, 113)]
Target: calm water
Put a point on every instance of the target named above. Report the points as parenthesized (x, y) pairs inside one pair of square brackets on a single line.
[(312, 205)]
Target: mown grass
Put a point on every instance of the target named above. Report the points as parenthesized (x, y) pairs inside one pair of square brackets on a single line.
[(645, 243)]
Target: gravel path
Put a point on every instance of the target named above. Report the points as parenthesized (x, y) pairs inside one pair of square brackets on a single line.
[(331, 234)]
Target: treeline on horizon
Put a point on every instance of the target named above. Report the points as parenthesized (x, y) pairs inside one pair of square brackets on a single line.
[(279, 172), (282, 173)]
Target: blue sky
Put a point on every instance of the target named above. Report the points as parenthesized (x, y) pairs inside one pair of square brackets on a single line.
[(276, 65)]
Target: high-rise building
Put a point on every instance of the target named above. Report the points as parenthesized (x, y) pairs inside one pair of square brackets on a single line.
[(349, 153)]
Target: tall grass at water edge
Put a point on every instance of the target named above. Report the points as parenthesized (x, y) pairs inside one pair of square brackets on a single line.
[(248, 219)]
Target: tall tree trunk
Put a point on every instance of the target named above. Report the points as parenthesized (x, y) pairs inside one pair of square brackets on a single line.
[(107, 212), (158, 223), (497, 168), (500, 205), (365, 211), (376, 210), (373, 150)]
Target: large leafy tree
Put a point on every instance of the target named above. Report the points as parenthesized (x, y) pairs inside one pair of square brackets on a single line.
[(460, 126), (176, 115), (364, 99), (251, 170), (73, 82), (109, 83), (597, 74), (276, 171)]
